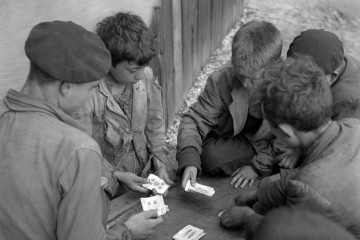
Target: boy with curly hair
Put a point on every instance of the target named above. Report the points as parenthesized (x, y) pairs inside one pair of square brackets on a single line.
[(125, 114), (298, 103)]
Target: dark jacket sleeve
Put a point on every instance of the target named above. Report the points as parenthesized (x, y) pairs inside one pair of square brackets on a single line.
[(201, 118)]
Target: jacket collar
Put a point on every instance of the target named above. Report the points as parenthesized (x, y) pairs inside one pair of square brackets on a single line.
[(322, 143), (239, 106), (19, 102)]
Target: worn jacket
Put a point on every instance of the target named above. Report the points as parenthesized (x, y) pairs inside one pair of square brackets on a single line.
[(107, 123), (223, 98), (49, 175), (346, 91), (328, 179)]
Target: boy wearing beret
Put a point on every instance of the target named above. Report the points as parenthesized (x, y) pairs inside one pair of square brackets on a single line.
[(297, 102), (50, 170), (342, 71), (125, 114)]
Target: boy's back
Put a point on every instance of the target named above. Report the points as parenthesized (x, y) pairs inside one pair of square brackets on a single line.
[(332, 168)]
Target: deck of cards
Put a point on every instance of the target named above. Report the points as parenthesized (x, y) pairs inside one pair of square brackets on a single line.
[(189, 233), (156, 203), (156, 183), (199, 188)]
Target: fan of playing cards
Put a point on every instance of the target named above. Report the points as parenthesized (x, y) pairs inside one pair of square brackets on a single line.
[(156, 203), (156, 183)]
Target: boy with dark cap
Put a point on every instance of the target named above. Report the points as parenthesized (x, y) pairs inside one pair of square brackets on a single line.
[(125, 114), (297, 102), (223, 133), (342, 71), (50, 170)]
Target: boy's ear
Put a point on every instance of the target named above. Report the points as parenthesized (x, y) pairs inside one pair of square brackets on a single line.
[(287, 129), (335, 74), (65, 89)]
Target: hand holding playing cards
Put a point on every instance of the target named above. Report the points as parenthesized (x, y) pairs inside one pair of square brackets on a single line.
[(243, 176), (133, 181), (189, 173), (143, 224)]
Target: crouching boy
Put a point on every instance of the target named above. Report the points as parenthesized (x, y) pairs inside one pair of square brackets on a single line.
[(297, 102)]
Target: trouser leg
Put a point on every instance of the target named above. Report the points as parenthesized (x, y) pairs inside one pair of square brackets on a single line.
[(222, 156)]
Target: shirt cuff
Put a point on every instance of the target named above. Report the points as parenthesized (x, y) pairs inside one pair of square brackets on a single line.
[(188, 157)]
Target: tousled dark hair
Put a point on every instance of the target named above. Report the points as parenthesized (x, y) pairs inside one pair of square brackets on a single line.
[(295, 92), (255, 45), (127, 38)]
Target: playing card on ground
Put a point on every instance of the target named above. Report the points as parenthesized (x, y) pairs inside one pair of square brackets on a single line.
[(199, 188), (189, 233), (156, 203), (157, 183)]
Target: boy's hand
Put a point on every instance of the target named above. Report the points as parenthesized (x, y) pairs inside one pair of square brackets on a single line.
[(143, 224), (162, 173), (287, 160), (243, 176), (236, 217), (189, 173), (131, 180)]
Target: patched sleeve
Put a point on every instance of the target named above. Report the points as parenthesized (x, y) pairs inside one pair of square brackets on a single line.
[(155, 125)]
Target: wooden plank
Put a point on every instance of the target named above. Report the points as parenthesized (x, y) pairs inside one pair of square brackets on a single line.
[(204, 30), (195, 40), (171, 56), (187, 45), (215, 24), (155, 30)]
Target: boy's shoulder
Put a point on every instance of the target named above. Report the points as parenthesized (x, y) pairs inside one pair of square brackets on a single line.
[(224, 77)]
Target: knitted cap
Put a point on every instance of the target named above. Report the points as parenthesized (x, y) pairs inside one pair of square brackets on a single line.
[(324, 47)]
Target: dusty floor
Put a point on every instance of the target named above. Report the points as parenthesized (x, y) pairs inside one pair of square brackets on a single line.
[(291, 17)]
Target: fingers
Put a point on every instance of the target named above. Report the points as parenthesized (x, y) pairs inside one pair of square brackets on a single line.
[(184, 181), (244, 183), (150, 214), (167, 180), (251, 182), (193, 179), (235, 178), (138, 188), (140, 180), (157, 221), (104, 182), (235, 172), (189, 174), (239, 181)]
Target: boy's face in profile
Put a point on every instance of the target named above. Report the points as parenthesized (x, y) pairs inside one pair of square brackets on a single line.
[(127, 72)]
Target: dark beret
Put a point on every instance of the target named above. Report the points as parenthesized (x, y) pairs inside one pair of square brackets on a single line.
[(324, 47), (68, 52)]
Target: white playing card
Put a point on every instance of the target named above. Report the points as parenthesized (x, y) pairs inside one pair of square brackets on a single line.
[(156, 203), (199, 188), (157, 183), (189, 233)]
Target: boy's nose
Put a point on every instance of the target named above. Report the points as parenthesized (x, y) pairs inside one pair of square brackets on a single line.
[(140, 75)]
